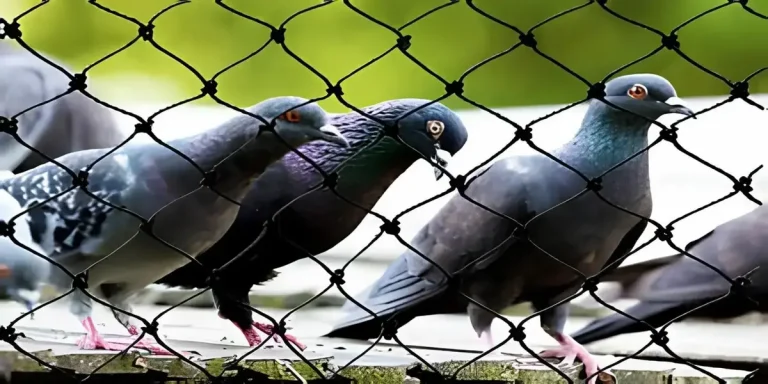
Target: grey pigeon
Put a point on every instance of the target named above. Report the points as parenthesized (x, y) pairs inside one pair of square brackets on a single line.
[(22, 273), (573, 225), (319, 220), (152, 181), (71, 123), (671, 286)]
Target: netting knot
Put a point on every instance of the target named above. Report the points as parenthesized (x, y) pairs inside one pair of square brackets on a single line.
[(459, 182), (740, 284), (602, 2), (78, 82), (145, 31), (664, 234), (524, 134), (280, 329), (209, 87), (213, 278), (528, 39), (389, 329), (660, 338), (743, 2), (595, 184), (6, 229), (9, 126), (517, 333), (81, 180), (391, 131), (668, 134), (143, 127), (670, 42), (80, 281), (331, 180), (147, 226), (151, 329), (337, 278), (455, 88), (278, 35), (743, 185), (335, 90), (8, 334), (10, 30), (391, 227), (596, 91), (740, 89), (590, 285), (404, 42), (269, 127), (209, 178)]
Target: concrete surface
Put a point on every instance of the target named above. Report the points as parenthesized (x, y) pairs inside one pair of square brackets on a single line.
[(213, 342)]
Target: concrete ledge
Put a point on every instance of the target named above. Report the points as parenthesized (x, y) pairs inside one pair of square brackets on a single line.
[(283, 365)]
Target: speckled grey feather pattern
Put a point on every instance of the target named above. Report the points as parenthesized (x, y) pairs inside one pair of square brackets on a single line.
[(78, 231)]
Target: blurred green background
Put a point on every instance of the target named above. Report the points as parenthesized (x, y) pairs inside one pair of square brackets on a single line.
[(336, 40)]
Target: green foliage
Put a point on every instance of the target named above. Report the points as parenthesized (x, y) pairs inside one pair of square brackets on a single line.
[(335, 40)]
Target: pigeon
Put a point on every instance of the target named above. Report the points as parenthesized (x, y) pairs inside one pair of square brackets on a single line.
[(563, 219), (113, 249), (319, 220), (22, 273), (671, 286), (70, 123)]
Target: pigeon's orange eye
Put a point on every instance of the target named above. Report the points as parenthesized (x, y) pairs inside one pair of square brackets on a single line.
[(637, 92), (291, 116), (435, 128)]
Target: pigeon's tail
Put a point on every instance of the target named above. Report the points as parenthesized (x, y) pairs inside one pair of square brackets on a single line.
[(655, 314), (396, 290)]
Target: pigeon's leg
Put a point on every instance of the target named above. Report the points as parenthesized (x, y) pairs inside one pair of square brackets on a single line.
[(553, 322), (226, 299), (80, 305), (269, 330), (115, 295)]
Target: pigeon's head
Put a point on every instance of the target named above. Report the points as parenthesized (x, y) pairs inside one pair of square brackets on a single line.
[(430, 129), (297, 123), (648, 95)]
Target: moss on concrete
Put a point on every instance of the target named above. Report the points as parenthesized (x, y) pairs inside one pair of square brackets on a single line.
[(368, 374)]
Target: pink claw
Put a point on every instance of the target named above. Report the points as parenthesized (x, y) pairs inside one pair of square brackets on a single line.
[(94, 340), (269, 329), (569, 350)]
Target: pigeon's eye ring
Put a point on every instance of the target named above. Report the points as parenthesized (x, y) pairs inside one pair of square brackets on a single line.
[(638, 91), (291, 116), (435, 128)]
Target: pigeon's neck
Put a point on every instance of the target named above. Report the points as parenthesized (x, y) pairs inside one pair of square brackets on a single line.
[(606, 137), (369, 169), (237, 150)]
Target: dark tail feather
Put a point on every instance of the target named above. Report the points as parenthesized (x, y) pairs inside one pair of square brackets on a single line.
[(627, 275), (395, 290), (655, 314)]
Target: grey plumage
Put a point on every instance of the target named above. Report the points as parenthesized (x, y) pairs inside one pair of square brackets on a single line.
[(21, 272), (71, 123), (671, 286), (152, 181), (583, 232)]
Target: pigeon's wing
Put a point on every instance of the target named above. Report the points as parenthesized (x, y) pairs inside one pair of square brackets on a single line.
[(670, 290), (625, 246), (459, 234), (25, 84)]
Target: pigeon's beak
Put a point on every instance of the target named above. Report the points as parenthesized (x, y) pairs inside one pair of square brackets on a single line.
[(677, 105), (333, 135), (439, 160)]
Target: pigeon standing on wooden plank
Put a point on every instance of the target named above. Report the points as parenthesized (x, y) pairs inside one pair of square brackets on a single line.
[(22, 273), (148, 179), (671, 286), (68, 124), (584, 233), (319, 220)]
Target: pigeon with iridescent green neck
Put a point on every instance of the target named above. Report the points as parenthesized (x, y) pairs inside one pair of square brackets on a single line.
[(569, 223)]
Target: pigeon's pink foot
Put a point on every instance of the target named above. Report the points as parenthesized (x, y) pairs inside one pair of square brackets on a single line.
[(94, 340), (251, 336), (144, 343), (269, 330), (569, 350)]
